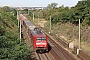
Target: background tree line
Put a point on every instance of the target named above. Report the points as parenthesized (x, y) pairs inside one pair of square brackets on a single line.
[(79, 11)]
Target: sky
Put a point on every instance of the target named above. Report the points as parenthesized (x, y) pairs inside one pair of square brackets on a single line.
[(37, 3)]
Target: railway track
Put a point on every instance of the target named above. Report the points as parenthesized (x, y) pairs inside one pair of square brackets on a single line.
[(43, 56), (62, 42), (61, 53)]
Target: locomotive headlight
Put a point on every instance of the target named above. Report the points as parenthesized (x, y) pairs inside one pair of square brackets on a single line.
[(45, 45)]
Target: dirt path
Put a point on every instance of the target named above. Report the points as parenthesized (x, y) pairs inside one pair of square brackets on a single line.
[(42, 22)]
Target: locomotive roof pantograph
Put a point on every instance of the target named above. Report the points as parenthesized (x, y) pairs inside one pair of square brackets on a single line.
[(37, 31)]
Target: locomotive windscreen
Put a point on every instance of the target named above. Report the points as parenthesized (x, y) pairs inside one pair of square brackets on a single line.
[(41, 38)]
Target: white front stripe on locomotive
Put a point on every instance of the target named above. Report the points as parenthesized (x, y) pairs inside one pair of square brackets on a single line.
[(41, 44)]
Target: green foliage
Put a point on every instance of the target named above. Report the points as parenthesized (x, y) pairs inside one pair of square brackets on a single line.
[(14, 12), (86, 22), (6, 9), (10, 46), (2, 29), (54, 18), (12, 49), (80, 11)]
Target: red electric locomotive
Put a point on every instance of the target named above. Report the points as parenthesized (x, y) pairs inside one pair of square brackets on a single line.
[(40, 40)]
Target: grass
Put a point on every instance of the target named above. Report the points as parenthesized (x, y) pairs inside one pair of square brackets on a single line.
[(70, 32)]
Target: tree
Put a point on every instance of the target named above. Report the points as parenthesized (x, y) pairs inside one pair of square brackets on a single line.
[(52, 5), (6, 9)]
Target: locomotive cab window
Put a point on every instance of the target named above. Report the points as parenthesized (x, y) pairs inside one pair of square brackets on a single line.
[(40, 38), (43, 38)]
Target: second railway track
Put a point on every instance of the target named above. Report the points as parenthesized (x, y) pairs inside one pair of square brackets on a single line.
[(61, 53)]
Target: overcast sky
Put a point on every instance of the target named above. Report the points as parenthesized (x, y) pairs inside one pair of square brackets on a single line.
[(37, 3)]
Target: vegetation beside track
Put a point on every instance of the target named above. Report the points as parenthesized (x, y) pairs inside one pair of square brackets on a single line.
[(69, 32), (11, 48)]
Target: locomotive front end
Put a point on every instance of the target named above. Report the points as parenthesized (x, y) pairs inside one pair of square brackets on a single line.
[(41, 42)]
